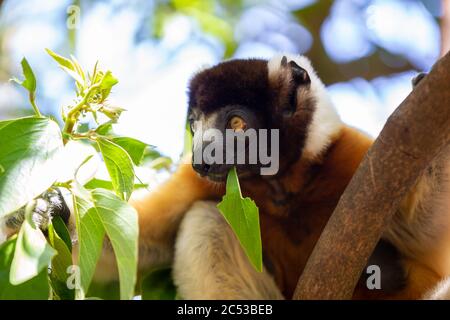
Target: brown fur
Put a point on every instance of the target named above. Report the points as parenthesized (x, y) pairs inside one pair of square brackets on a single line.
[(246, 83), (288, 238), (226, 84), (314, 188), (296, 203)]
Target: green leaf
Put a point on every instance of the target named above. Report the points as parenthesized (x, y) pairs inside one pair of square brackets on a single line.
[(105, 184), (71, 67), (36, 288), (78, 68), (60, 264), (108, 81), (120, 167), (243, 217), (29, 154), (63, 62), (63, 258), (107, 214), (134, 147), (112, 112), (158, 285), (62, 232), (151, 154), (99, 183), (29, 82), (109, 290), (74, 74), (105, 129), (121, 225), (94, 73), (187, 148), (161, 163), (32, 255), (91, 233)]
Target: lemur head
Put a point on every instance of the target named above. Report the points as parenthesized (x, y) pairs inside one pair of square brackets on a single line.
[(283, 93)]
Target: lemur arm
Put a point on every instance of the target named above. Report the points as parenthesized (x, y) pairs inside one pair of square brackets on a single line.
[(160, 212)]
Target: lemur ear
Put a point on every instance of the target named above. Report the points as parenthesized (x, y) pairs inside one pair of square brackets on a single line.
[(293, 78), (299, 75)]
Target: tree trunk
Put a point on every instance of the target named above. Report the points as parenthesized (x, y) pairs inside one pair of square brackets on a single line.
[(413, 135)]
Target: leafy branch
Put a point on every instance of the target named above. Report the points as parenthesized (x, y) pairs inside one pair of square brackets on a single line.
[(29, 83), (101, 208)]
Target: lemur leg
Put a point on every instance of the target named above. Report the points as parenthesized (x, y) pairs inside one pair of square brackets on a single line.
[(440, 292), (415, 81), (209, 262), (420, 229)]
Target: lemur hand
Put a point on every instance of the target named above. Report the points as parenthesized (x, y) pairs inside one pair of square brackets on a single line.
[(48, 205), (415, 81)]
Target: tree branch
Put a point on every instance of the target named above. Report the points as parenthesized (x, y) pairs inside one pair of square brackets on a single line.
[(413, 135), (370, 67)]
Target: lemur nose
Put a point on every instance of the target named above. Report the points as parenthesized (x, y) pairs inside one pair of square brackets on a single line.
[(202, 168)]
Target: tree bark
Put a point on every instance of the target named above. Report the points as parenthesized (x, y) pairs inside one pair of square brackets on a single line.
[(413, 135)]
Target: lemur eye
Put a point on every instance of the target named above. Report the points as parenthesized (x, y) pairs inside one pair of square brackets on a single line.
[(237, 123)]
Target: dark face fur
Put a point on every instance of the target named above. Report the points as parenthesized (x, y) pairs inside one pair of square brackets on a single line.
[(240, 93)]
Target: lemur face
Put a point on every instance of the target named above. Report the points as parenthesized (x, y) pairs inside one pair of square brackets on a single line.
[(233, 95), (250, 97)]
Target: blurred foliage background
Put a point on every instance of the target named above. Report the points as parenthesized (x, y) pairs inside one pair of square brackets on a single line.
[(366, 51)]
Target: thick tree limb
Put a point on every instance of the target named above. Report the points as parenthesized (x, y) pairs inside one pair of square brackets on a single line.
[(413, 135)]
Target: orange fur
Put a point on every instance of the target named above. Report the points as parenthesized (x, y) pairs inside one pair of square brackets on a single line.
[(419, 280), (293, 212), (160, 212), (289, 238)]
